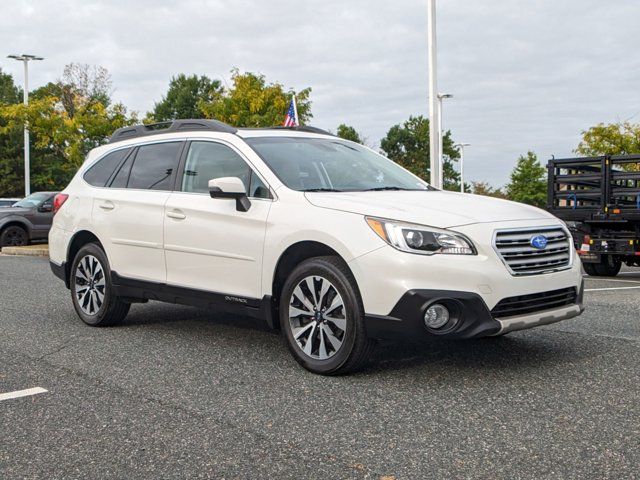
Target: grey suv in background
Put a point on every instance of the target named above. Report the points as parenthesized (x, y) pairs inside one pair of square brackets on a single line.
[(26, 220)]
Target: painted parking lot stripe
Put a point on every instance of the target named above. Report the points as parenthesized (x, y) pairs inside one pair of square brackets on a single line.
[(22, 393), (610, 288), (613, 280)]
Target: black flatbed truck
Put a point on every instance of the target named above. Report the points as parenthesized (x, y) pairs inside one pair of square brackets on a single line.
[(599, 199)]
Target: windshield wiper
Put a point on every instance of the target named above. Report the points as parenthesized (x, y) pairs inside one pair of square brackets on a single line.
[(321, 190), (379, 189)]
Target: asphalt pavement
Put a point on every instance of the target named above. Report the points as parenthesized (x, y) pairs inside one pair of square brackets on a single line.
[(177, 392)]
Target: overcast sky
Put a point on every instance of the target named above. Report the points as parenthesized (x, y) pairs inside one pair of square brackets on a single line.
[(526, 75)]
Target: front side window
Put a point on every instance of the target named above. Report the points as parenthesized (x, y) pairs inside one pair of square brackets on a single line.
[(154, 165), (209, 160), (101, 171), (307, 164)]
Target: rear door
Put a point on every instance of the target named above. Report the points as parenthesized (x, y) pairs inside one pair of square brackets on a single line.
[(129, 212), (209, 245)]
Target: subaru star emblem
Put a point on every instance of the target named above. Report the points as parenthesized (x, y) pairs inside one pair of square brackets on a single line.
[(539, 242)]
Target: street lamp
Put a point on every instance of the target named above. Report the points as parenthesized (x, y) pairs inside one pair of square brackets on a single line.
[(24, 58), (441, 96), (461, 148), (434, 154)]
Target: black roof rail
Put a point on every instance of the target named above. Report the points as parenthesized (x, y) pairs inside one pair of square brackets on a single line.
[(191, 125), (303, 128)]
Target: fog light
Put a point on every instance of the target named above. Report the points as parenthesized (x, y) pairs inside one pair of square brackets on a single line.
[(436, 316)]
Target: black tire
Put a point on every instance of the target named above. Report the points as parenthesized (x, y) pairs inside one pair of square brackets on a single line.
[(111, 309), (355, 347), (14, 236), (609, 267)]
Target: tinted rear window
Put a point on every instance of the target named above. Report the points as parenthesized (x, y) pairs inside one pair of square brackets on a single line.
[(154, 166), (99, 174)]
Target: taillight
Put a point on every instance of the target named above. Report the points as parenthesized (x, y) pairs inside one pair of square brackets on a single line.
[(58, 201)]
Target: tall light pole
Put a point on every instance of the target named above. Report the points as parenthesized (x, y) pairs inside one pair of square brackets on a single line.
[(24, 58), (441, 96), (434, 144), (461, 148)]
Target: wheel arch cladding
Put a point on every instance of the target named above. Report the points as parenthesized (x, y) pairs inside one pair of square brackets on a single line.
[(16, 223), (290, 258), (79, 240)]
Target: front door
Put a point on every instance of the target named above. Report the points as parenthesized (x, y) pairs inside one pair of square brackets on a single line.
[(209, 245)]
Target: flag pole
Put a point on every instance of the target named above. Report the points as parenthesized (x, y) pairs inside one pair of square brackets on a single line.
[(295, 110)]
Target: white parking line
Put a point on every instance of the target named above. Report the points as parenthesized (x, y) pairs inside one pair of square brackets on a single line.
[(609, 288), (22, 393), (613, 280)]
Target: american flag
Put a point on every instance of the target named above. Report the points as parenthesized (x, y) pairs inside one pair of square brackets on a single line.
[(290, 120)]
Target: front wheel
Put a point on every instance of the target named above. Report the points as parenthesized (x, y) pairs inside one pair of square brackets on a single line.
[(322, 317), (92, 292)]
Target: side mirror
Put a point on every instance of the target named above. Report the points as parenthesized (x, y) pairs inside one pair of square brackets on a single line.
[(46, 207), (230, 187)]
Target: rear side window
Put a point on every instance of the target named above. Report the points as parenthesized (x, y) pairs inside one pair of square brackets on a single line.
[(121, 178), (154, 166), (101, 171)]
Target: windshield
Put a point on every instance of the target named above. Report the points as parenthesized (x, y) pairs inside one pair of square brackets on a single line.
[(32, 200), (320, 164)]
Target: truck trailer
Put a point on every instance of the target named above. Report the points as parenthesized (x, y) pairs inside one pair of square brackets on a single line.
[(599, 200)]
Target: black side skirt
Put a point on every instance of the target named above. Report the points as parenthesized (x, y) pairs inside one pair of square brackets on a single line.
[(145, 290)]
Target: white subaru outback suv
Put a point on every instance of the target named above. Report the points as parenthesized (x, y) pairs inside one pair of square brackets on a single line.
[(323, 238)]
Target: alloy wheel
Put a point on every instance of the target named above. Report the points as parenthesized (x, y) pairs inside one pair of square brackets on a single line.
[(317, 317), (90, 285), (15, 237)]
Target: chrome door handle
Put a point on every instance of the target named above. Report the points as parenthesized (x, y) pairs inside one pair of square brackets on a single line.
[(107, 206), (176, 215)]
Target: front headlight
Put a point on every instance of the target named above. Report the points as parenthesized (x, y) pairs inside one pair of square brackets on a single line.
[(413, 238)]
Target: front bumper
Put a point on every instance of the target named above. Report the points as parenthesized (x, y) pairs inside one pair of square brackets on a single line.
[(475, 319)]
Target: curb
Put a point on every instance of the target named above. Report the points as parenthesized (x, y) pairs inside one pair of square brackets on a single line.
[(32, 251)]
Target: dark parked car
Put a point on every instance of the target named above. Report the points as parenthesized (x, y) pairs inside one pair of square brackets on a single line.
[(7, 202), (26, 220)]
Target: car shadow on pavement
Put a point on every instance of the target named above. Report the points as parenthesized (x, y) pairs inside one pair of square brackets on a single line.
[(534, 349)]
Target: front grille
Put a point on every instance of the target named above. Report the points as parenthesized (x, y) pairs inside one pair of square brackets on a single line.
[(521, 258), (536, 302)]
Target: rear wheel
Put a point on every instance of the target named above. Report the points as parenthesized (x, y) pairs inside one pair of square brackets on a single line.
[(92, 291), (14, 236), (609, 267), (322, 318)]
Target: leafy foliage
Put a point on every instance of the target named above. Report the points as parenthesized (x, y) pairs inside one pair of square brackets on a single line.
[(11, 163), (528, 181), (612, 139), (486, 189), (66, 119), (408, 145), (349, 133), (184, 98), (252, 102)]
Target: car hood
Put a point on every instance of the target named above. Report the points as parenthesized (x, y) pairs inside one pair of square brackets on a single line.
[(431, 207)]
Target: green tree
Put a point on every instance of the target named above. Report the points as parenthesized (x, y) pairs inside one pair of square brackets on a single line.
[(66, 120), (349, 133), (252, 102), (407, 144), (184, 98), (11, 158), (486, 189), (621, 138), (528, 181)]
